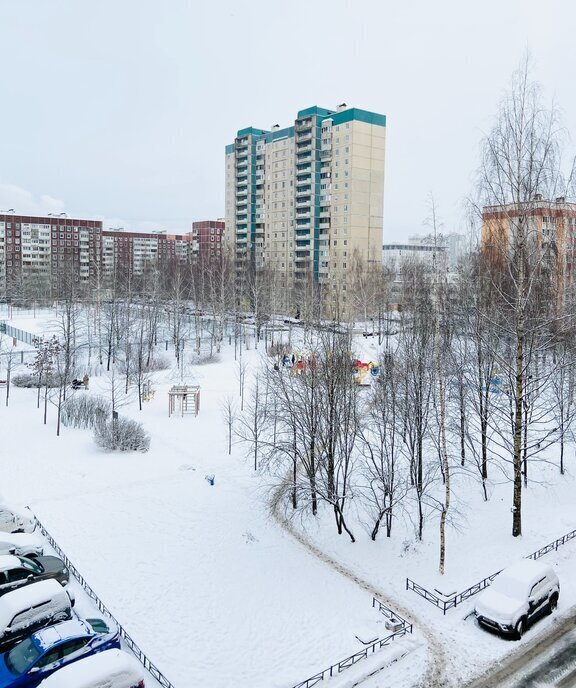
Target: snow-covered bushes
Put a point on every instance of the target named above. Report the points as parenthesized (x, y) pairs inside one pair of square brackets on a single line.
[(204, 358), (84, 411), (121, 434), (157, 363), (30, 380)]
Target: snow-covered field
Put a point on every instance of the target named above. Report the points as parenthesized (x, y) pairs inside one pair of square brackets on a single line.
[(215, 591)]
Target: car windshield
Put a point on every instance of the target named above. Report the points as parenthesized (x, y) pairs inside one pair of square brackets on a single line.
[(509, 586), (30, 565), (22, 656)]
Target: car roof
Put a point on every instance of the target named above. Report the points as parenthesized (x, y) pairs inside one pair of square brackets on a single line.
[(27, 596), (17, 509), (105, 665), (20, 538), (527, 571), (75, 628), (8, 561)]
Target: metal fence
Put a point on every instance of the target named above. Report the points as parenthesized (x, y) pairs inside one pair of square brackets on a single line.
[(147, 663), (446, 602), (340, 666), (20, 335)]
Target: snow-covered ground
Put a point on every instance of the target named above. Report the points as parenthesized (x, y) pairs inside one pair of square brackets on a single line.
[(216, 592)]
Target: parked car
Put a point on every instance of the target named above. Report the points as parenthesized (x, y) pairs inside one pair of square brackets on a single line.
[(111, 668), (16, 572), (16, 519), (21, 544), (518, 596), (44, 652), (30, 608)]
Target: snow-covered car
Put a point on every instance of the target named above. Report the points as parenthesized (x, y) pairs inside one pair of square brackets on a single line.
[(43, 653), (111, 668), (31, 608), (16, 572), (21, 544), (518, 596), (16, 519)]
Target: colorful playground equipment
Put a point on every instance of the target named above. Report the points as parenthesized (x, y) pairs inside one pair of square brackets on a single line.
[(361, 370)]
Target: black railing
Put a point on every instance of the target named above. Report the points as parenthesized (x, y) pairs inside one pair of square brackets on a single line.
[(446, 602), (343, 664), (146, 663)]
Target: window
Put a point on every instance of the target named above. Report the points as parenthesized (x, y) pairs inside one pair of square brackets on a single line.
[(49, 658), (17, 575), (73, 646)]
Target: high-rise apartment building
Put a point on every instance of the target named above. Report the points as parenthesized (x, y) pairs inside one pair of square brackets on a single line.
[(307, 200)]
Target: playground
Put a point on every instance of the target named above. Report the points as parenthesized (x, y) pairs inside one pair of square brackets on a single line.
[(179, 544)]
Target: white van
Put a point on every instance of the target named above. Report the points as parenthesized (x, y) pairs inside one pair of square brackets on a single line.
[(30, 608), (14, 519), (108, 669)]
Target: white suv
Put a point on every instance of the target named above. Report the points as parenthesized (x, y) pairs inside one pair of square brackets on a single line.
[(519, 595)]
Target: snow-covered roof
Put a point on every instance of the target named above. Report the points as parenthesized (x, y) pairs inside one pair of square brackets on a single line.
[(8, 561), (28, 596), (21, 539), (16, 509), (97, 671), (527, 571), (46, 637)]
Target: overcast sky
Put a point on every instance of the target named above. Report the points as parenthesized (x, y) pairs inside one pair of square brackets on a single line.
[(120, 109)]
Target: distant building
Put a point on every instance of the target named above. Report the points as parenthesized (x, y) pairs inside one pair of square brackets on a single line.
[(207, 239), (304, 200), (550, 225), (45, 253), (395, 255), (133, 253), (47, 250), (455, 245)]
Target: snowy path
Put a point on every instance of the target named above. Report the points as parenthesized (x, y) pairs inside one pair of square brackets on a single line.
[(434, 677)]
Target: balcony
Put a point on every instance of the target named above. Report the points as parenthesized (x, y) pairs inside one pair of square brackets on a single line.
[(303, 157), (306, 136), (325, 154), (303, 204), (303, 125), (303, 189)]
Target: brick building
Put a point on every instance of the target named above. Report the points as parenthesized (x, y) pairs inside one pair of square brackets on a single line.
[(207, 239), (46, 252)]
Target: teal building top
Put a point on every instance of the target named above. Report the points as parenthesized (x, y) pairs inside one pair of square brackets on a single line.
[(349, 115)]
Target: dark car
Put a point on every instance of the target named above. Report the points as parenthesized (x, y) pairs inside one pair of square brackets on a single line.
[(18, 571), (29, 662)]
